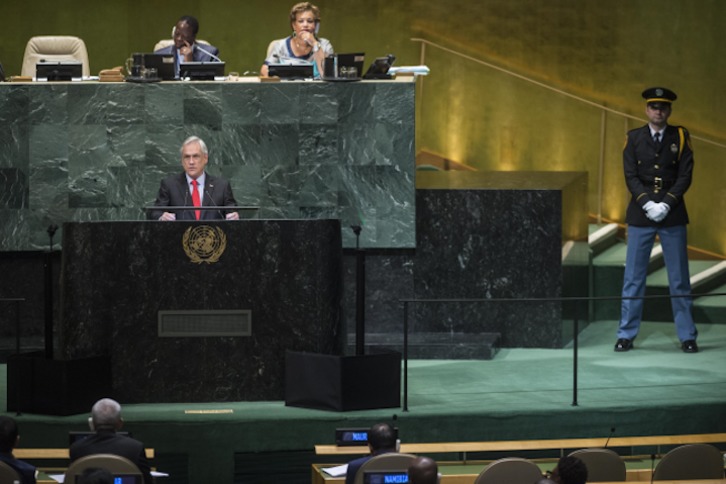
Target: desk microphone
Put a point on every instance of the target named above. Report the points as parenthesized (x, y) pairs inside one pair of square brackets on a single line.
[(208, 53), (612, 431), (652, 467)]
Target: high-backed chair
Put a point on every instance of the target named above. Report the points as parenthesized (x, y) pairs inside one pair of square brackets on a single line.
[(512, 470), (115, 464), (54, 48), (167, 42), (8, 474), (270, 46), (392, 461), (603, 465), (693, 461)]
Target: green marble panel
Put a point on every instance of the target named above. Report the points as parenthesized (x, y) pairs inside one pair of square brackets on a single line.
[(97, 151)]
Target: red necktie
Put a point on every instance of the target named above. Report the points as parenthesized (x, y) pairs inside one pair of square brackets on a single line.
[(195, 198)]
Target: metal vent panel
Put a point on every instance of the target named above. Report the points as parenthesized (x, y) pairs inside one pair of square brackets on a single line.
[(205, 323)]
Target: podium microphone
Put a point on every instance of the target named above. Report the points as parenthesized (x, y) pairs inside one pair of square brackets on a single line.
[(206, 192), (208, 53)]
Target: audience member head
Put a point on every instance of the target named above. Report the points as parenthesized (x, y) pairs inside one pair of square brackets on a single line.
[(8, 434), (106, 414), (570, 470), (381, 438), (95, 475), (423, 471)]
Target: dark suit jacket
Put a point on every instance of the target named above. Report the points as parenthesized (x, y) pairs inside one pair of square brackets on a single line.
[(200, 54), (643, 162), (108, 442), (174, 192), (26, 471)]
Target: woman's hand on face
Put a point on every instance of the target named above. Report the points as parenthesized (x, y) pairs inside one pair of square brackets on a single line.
[(307, 37)]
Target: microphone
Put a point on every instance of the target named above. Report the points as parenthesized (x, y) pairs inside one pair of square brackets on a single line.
[(652, 467), (197, 46), (612, 431), (186, 197), (209, 196)]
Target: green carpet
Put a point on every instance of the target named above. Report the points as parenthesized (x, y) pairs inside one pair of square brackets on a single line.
[(521, 394)]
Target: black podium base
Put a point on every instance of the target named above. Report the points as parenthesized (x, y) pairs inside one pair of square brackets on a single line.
[(342, 383), (56, 387)]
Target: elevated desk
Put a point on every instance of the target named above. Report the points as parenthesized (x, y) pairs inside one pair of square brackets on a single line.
[(135, 292)]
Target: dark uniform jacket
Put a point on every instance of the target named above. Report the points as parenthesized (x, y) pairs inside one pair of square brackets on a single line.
[(657, 175)]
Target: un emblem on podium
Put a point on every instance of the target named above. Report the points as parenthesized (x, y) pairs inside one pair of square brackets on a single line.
[(203, 243)]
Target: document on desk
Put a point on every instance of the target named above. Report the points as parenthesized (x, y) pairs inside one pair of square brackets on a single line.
[(336, 471)]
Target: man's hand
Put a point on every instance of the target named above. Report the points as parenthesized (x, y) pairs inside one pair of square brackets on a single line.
[(651, 210), (187, 51), (663, 209), (232, 216), (167, 217)]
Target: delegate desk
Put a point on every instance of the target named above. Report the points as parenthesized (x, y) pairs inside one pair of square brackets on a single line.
[(459, 473), (464, 472), (181, 328)]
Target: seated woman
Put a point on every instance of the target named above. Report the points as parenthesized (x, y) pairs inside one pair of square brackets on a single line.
[(303, 47)]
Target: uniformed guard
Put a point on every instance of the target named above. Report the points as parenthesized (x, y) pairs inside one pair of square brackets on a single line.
[(658, 165)]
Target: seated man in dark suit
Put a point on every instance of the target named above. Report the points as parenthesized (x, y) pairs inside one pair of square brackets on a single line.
[(9, 438), (194, 188), (105, 421), (381, 439), (185, 47)]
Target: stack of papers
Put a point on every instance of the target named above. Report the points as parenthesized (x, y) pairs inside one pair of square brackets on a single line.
[(336, 471), (416, 70)]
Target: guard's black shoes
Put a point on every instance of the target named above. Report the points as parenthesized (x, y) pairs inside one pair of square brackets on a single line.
[(689, 346), (625, 344)]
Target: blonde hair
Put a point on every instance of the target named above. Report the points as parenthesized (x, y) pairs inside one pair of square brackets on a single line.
[(304, 7)]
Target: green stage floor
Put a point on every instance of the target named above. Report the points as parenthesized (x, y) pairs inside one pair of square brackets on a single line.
[(522, 394)]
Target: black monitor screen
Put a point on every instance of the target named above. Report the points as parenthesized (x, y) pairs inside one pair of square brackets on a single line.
[(119, 478), (354, 436), (385, 477), (201, 71), (58, 71), (290, 71)]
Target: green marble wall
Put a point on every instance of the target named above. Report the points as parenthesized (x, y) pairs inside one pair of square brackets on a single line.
[(97, 151)]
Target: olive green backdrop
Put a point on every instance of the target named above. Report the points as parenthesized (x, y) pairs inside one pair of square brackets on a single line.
[(604, 52)]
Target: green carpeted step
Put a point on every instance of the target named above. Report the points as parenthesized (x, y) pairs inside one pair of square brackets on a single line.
[(659, 278), (660, 310), (711, 309), (612, 256)]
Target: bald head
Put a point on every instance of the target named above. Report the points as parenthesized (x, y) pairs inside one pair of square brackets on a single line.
[(423, 471)]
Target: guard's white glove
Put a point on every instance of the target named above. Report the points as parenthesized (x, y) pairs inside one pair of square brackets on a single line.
[(663, 209), (651, 210)]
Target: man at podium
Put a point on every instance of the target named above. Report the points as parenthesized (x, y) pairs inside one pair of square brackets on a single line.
[(194, 188)]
